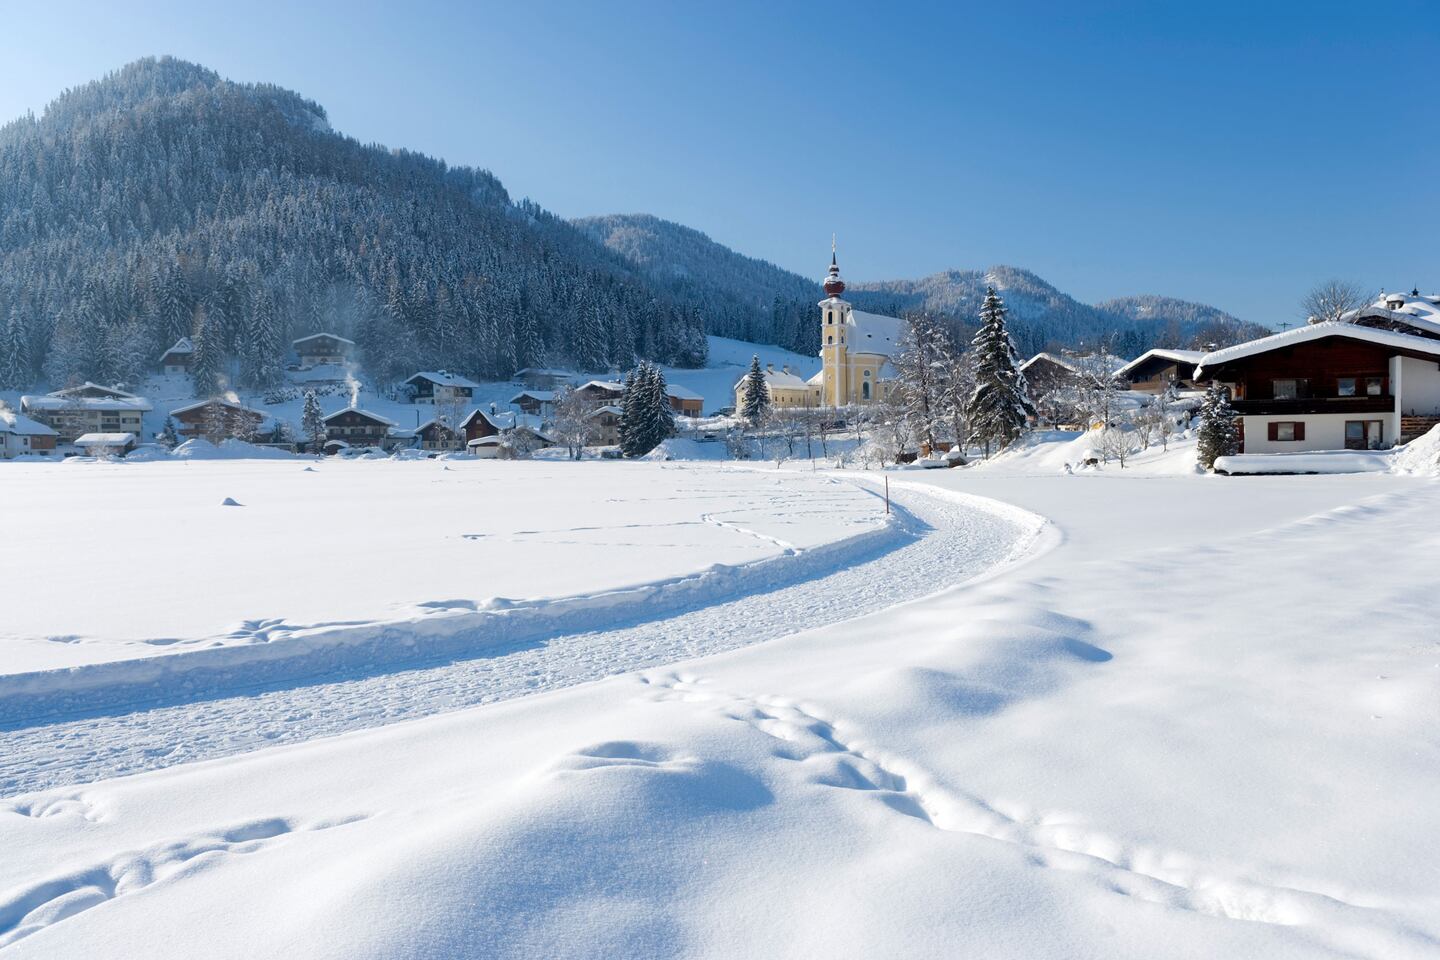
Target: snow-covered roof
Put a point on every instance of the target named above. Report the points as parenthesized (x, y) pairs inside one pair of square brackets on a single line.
[(432, 422), (1319, 331), (818, 379), (783, 379), (544, 396), (220, 400), (364, 413), (444, 379), (610, 386), (490, 441), (1423, 313), (681, 393), (110, 398), (21, 425), (1177, 356), (874, 333), (1057, 360), (316, 336), (500, 421), (104, 439), (183, 345), (544, 372), (608, 408)]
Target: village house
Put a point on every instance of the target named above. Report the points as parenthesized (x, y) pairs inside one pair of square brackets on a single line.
[(1335, 385), (227, 417), (435, 434), (604, 425), (1048, 372), (21, 436), (88, 408), (491, 434), (321, 348), (106, 444), (787, 390), (179, 358), (354, 427), (683, 401), (1155, 371), (439, 386), (598, 393), (544, 378), (537, 403)]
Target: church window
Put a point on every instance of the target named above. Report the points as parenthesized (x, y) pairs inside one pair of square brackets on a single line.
[(867, 373), (830, 339), (865, 389)]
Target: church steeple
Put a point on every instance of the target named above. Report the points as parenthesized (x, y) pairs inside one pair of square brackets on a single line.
[(833, 285)]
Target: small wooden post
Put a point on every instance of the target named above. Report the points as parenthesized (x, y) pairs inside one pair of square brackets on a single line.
[(887, 496)]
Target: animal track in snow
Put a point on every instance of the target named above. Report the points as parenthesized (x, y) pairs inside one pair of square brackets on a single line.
[(30, 909), (837, 759), (41, 806)]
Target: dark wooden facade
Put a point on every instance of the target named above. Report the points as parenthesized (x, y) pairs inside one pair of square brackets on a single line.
[(1313, 372), (357, 428), (237, 421)]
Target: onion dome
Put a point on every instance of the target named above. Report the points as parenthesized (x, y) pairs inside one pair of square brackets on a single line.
[(834, 286)]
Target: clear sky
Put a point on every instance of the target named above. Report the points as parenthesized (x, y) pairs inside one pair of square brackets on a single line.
[(1231, 153)]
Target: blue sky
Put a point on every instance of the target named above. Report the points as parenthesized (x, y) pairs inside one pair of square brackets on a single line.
[(1229, 153)]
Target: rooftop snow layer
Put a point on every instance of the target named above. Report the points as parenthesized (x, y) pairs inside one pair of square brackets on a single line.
[(1318, 331)]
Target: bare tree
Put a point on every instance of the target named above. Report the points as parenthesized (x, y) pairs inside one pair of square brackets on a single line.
[(1331, 300), (574, 427), (1116, 443)]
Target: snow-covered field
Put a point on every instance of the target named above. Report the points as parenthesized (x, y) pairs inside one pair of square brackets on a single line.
[(1182, 716)]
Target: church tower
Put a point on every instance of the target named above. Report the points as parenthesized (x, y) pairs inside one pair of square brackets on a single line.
[(834, 332)]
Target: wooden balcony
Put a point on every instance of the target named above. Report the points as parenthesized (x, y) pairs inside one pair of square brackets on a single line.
[(1384, 403)]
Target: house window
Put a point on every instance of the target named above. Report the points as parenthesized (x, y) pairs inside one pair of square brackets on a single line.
[(1287, 430), (1288, 389), (1373, 386), (1346, 387), (1364, 434)]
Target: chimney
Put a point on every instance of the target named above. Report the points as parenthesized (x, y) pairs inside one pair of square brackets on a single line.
[(769, 368), (492, 409)]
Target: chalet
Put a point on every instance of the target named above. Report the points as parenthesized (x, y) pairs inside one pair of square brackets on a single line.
[(537, 403), (1154, 371), (435, 434), (480, 424), (1330, 386), (604, 424), (787, 389), (545, 378), (684, 402), (1048, 372), (438, 386), (227, 417), (88, 408), (598, 393), (106, 444), (20, 436), (178, 358), (492, 434), (355, 427), (486, 448), (320, 348)]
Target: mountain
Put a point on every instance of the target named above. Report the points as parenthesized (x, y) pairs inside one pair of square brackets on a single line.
[(765, 303), (745, 298), (164, 201)]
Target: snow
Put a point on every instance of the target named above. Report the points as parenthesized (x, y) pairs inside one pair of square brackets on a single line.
[(1318, 461), (1179, 356), (21, 425), (444, 379), (370, 547), (875, 333), (1152, 727)]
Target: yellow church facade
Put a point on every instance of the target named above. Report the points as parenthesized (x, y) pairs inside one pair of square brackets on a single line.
[(855, 357)]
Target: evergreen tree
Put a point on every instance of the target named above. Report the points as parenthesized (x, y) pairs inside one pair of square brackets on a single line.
[(757, 394), (629, 414), (1000, 405), (14, 354), (662, 415), (1218, 435), (169, 436), (206, 360), (312, 423), (646, 419)]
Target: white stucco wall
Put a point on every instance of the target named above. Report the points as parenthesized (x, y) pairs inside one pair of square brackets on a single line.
[(1323, 431), (1419, 387)]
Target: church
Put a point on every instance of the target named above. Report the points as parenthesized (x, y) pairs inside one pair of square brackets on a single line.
[(855, 357)]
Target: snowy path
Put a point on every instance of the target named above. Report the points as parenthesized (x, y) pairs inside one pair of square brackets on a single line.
[(955, 540)]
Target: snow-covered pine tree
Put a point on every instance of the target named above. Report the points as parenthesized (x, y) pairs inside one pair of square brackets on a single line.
[(14, 353), (312, 423), (1218, 436), (630, 413), (757, 394), (261, 342), (923, 366), (169, 436), (205, 363), (999, 407), (662, 415)]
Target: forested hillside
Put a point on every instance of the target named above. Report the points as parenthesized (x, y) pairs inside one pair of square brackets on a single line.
[(163, 201)]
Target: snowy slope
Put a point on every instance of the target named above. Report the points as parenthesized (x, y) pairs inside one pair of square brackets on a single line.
[(1167, 736)]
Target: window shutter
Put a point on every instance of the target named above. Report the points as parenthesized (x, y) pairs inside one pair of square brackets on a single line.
[(1272, 430), (1299, 429)]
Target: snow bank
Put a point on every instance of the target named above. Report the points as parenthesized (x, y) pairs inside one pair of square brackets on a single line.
[(1419, 457), (199, 448), (1318, 461)]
